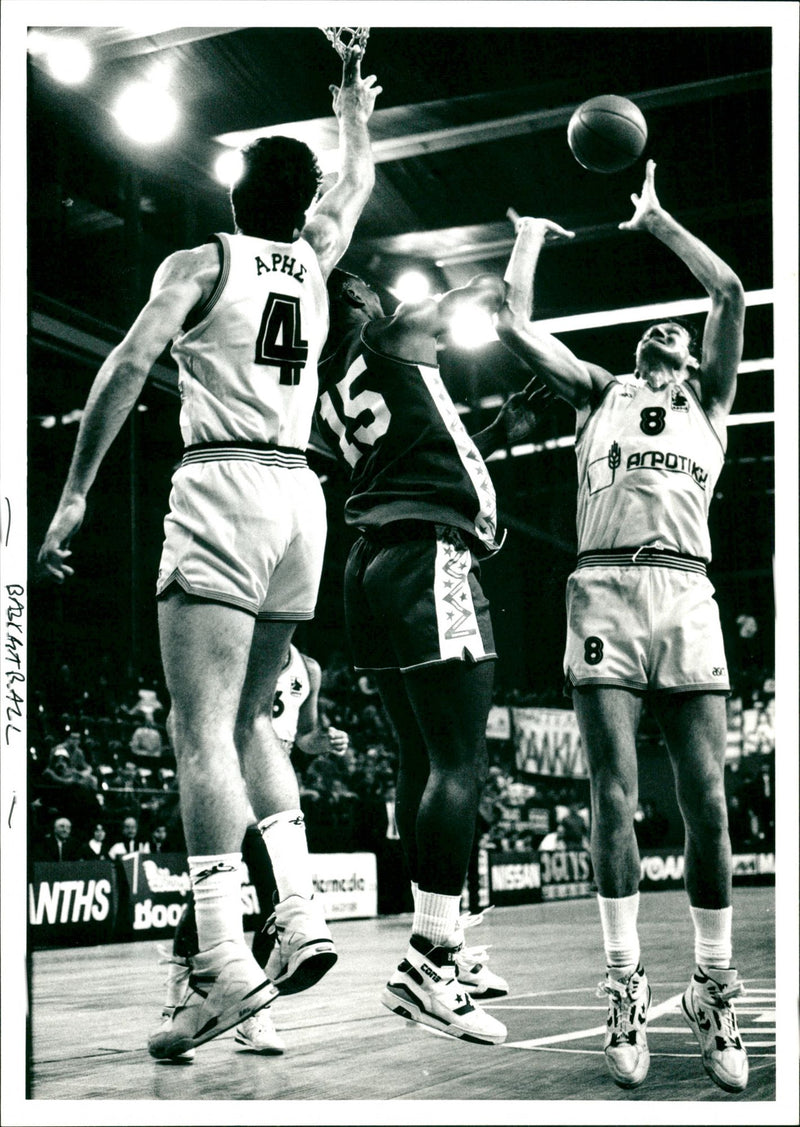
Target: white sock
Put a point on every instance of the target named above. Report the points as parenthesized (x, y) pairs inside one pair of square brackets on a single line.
[(618, 917), (414, 890), (436, 916), (712, 936), (217, 889), (284, 835)]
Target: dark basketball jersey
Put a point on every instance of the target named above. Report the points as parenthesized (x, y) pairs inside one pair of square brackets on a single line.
[(409, 454)]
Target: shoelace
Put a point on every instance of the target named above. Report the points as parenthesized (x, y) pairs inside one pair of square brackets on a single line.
[(625, 1004), (726, 1017), (468, 957)]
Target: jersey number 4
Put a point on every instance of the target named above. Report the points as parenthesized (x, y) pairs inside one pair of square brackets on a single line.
[(279, 343)]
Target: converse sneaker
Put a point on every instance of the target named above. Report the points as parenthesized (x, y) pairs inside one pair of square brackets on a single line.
[(259, 1035), (707, 1008), (626, 1051), (295, 945), (471, 968), (226, 986), (424, 988)]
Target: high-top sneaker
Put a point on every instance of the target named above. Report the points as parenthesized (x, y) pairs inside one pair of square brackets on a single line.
[(626, 1051), (425, 988), (707, 1007)]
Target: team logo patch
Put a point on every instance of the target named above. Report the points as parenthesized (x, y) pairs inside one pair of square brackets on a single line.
[(679, 400)]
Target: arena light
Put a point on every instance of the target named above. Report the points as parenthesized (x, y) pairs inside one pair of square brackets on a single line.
[(228, 167), (471, 327), (68, 59), (146, 111), (412, 286)]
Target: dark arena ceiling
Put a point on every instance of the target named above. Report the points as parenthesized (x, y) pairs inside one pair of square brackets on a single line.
[(472, 120)]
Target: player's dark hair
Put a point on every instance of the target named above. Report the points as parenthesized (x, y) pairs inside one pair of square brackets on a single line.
[(281, 177), (337, 282), (694, 342)]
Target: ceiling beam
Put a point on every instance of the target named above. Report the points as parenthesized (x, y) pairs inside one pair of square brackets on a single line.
[(143, 39), (392, 139)]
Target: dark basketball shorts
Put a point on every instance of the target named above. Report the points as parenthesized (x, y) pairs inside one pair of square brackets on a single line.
[(413, 597)]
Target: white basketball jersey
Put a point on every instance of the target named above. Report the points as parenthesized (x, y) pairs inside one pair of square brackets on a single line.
[(292, 688), (648, 462), (247, 361)]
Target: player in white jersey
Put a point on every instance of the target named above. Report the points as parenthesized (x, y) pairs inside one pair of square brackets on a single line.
[(244, 536), (296, 722), (642, 621), (295, 709)]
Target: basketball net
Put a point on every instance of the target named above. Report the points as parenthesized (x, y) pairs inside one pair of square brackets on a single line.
[(342, 38)]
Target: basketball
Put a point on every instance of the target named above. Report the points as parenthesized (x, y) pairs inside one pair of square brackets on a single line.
[(607, 133)]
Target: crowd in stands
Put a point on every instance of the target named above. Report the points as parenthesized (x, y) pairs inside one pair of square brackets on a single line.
[(102, 776)]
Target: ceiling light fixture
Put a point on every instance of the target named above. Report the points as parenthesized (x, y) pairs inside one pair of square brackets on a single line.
[(146, 112)]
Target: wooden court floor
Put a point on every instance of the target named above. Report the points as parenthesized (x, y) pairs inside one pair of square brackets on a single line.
[(92, 1009)]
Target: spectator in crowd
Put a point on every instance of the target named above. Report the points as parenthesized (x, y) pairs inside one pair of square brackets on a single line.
[(576, 833), (67, 793), (158, 842), (129, 842), (58, 845), (146, 706), (556, 839), (146, 742), (83, 770), (95, 848), (71, 743), (59, 771)]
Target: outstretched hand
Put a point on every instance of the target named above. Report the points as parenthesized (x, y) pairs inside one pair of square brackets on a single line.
[(520, 415), (646, 205), (550, 231), (51, 562), (356, 95)]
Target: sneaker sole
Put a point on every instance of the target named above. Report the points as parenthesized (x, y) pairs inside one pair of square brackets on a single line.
[(306, 967), (724, 1084), (405, 1008), (163, 1046), (264, 1051)]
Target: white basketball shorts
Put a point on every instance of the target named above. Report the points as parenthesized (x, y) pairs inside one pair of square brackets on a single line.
[(642, 627), (246, 534)]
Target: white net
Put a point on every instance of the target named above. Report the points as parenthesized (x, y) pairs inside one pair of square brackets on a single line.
[(343, 37)]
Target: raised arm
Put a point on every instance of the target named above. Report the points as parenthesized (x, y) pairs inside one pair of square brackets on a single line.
[(724, 327), (330, 227), (561, 370), (180, 282)]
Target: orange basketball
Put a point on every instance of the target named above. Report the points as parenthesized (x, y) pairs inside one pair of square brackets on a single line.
[(607, 133)]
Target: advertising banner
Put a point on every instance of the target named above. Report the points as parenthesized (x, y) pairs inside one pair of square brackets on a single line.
[(156, 887), (346, 883), (72, 903), (514, 878), (663, 868), (566, 874), (547, 742)]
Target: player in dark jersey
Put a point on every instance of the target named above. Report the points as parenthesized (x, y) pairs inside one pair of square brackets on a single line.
[(416, 616)]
